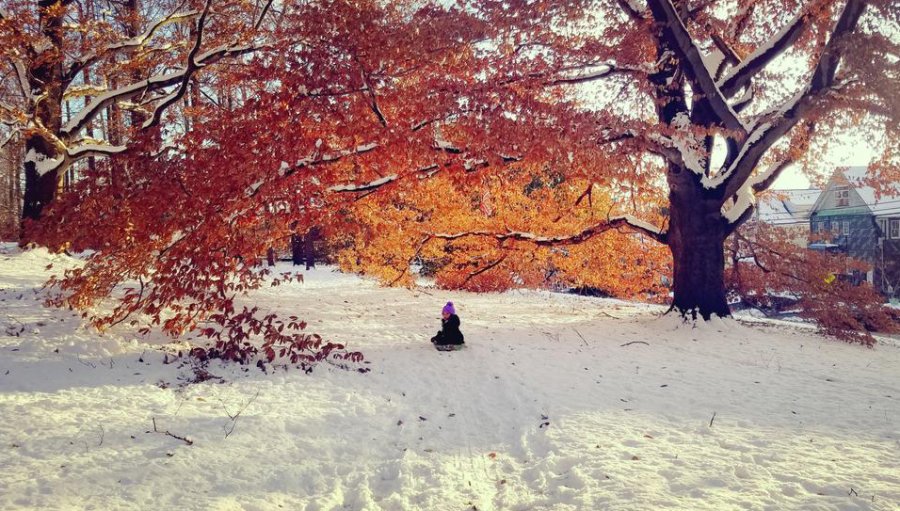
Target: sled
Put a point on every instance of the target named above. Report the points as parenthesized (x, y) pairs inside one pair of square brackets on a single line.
[(449, 347)]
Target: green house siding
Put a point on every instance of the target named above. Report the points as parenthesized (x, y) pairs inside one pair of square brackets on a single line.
[(861, 240)]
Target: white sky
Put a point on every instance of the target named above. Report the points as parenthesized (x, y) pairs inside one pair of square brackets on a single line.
[(849, 151)]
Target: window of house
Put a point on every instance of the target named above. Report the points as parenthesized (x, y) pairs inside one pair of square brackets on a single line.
[(882, 224), (845, 227), (895, 228), (835, 227), (842, 197)]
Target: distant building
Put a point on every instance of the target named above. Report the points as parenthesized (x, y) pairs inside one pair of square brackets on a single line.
[(788, 210), (847, 218)]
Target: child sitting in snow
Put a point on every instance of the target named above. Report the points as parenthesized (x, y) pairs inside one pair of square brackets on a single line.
[(449, 334)]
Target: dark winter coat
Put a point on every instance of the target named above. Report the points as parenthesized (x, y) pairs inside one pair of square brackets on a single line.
[(449, 333)]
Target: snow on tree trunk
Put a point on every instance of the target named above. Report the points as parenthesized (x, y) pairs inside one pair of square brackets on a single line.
[(41, 180), (45, 77)]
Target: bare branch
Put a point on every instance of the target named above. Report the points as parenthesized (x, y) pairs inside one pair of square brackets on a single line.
[(485, 269), (606, 71), (7, 138), (262, 15)]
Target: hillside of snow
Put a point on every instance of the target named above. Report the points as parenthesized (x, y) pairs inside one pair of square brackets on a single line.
[(558, 402)]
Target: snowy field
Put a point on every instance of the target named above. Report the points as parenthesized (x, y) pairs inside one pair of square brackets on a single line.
[(558, 403)]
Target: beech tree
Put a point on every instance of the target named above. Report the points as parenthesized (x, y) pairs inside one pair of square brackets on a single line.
[(55, 60), (377, 121), (737, 90), (340, 94)]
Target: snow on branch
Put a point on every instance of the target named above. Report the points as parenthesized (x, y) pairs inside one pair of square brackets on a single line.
[(154, 83), (740, 75), (694, 65), (773, 127), (364, 187), (99, 103), (84, 150), (597, 72), (573, 239), (756, 144), (126, 44), (737, 210), (42, 163), (181, 77)]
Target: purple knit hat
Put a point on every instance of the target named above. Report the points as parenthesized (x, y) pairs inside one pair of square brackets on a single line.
[(449, 309)]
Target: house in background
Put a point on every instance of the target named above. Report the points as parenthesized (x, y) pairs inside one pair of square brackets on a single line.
[(788, 210), (847, 218)]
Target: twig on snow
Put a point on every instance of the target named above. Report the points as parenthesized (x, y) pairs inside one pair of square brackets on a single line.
[(582, 337), (169, 433), (712, 419), (634, 342), (234, 418)]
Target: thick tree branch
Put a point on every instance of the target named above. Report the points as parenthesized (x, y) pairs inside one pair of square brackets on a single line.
[(154, 83), (769, 131), (191, 67), (765, 180), (728, 54), (630, 10), (740, 75), (133, 42), (573, 239), (692, 63)]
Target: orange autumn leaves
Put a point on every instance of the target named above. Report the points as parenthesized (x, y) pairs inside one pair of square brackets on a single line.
[(407, 230)]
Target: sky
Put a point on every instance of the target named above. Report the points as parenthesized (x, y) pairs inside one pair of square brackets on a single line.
[(848, 151)]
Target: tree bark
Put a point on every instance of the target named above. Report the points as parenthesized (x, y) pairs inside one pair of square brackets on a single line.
[(697, 231), (696, 239), (45, 77), (309, 248), (296, 249)]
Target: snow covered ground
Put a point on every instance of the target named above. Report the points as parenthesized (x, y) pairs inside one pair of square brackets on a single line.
[(558, 403)]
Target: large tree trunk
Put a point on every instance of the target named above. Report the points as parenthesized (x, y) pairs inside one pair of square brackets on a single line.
[(45, 77), (40, 189), (696, 238)]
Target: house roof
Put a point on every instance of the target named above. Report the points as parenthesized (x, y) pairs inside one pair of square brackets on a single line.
[(886, 204), (783, 207)]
